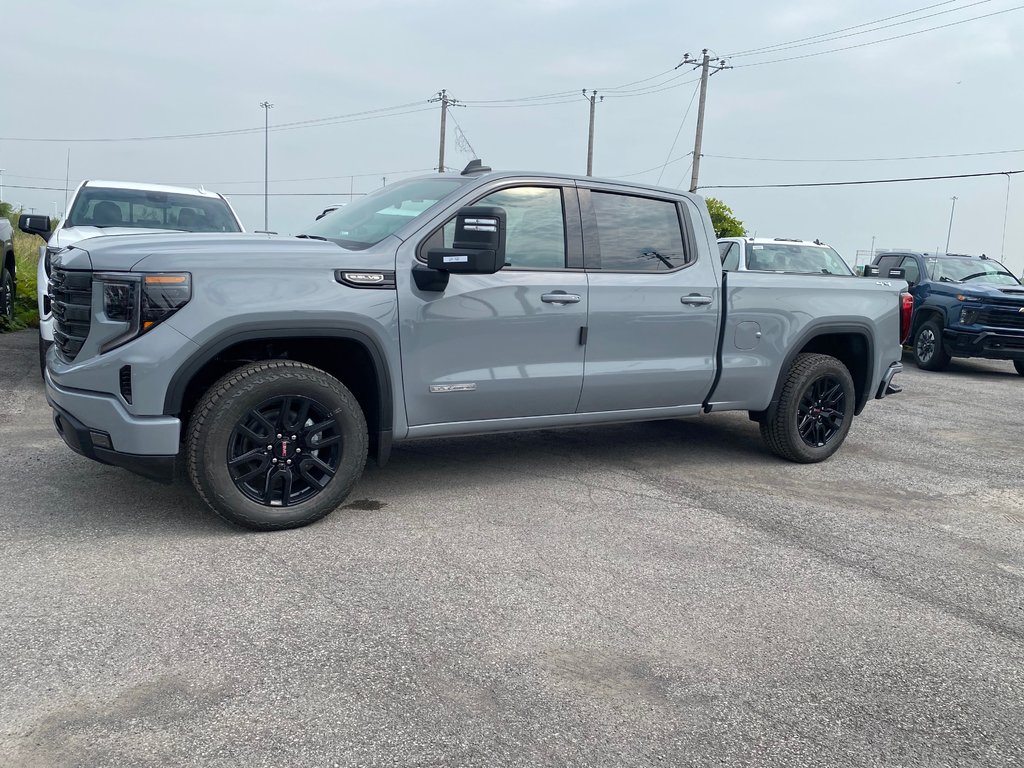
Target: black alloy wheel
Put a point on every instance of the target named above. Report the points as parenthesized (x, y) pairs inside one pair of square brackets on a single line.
[(821, 411), (276, 444), (813, 414), (285, 451)]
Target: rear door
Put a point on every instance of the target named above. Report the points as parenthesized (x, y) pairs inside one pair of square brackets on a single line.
[(506, 345), (654, 306)]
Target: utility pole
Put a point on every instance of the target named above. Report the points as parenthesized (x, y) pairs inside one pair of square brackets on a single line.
[(1006, 213), (267, 106), (446, 101), (707, 68), (2, 184), (590, 141), (950, 232)]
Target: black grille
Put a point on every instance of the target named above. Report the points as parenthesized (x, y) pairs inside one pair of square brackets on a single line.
[(71, 303), (1002, 318)]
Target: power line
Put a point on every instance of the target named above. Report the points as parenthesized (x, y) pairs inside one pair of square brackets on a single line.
[(862, 159), (251, 181), (882, 40), (750, 51), (656, 88), (233, 194), (372, 114), (655, 168), (779, 49), (682, 122), (862, 181), (574, 100)]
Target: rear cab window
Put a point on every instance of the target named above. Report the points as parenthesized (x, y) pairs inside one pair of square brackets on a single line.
[(639, 234)]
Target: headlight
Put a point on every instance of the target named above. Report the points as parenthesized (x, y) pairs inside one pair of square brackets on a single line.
[(141, 302), (51, 251), (968, 316)]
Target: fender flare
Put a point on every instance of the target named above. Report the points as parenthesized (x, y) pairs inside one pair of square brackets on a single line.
[(826, 328), (284, 330)]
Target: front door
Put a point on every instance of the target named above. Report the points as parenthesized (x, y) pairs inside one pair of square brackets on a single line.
[(654, 306), (506, 345)]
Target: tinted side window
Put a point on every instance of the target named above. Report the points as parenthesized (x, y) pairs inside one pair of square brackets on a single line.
[(913, 272), (638, 234), (723, 248), (731, 262), (535, 226), (888, 262)]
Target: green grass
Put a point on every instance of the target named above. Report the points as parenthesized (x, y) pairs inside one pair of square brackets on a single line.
[(26, 259)]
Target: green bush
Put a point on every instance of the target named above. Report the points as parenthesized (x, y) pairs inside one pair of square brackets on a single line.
[(26, 259)]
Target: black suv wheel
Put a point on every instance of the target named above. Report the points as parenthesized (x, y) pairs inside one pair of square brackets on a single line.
[(276, 444)]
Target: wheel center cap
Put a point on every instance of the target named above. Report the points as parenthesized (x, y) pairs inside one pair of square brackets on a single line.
[(284, 449)]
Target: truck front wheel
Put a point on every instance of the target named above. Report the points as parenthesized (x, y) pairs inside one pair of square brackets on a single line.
[(929, 353), (814, 411), (276, 444), (7, 290)]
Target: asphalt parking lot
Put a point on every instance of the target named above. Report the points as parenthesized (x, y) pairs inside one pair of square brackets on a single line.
[(655, 594)]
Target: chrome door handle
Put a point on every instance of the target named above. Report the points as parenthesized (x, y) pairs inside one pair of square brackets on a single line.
[(695, 300), (561, 298)]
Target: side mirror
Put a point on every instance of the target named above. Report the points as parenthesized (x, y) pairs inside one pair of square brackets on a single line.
[(479, 244), (35, 225)]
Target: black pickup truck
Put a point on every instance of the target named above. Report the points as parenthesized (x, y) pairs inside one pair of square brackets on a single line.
[(964, 306)]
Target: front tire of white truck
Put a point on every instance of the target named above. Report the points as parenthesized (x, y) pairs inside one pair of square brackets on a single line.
[(276, 444), (814, 411)]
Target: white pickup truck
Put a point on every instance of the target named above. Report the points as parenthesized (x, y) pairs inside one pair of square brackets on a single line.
[(118, 207), (780, 254)]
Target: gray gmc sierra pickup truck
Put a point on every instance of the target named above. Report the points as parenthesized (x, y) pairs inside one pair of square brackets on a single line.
[(269, 367)]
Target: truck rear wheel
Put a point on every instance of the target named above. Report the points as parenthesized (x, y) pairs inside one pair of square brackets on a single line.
[(814, 412), (276, 444), (928, 351)]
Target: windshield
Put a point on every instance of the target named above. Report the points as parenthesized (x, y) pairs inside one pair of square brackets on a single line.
[(794, 257), (966, 270), (366, 222), (142, 209)]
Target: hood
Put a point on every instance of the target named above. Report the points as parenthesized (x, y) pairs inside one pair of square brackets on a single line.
[(170, 251), (1000, 293), (66, 236)]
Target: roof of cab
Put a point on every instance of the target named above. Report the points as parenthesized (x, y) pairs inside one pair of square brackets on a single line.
[(146, 187)]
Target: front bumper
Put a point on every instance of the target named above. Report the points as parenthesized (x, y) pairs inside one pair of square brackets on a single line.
[(98, 427), (886, 387), (994, 345)]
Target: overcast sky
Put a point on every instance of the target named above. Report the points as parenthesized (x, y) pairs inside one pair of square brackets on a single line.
[(124, 68)]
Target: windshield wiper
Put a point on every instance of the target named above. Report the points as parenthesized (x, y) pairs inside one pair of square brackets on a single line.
[(313, 237)]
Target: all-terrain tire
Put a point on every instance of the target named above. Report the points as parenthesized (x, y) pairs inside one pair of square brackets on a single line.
[(7, 294), (231, 413), (928, 351), (814, 411)]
